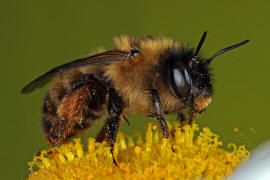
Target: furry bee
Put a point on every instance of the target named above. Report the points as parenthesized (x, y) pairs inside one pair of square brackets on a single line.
[(149, 75)]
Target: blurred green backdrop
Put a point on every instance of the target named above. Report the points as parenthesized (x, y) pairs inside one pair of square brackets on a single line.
[(38, 35)]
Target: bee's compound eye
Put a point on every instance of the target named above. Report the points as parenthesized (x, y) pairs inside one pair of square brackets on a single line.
[(180, 80), (187, 76)]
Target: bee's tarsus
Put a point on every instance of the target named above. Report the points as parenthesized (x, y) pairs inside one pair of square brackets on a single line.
[(184, 120), (114, 160)]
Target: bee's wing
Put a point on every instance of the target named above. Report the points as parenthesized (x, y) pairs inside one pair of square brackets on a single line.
[(105, 57)]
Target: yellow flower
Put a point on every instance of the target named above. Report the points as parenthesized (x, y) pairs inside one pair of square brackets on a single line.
[(182, 156)]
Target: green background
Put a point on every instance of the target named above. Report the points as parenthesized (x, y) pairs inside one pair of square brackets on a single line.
[(39, 35)]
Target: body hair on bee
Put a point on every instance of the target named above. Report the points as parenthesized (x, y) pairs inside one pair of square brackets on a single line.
[(153, 76)]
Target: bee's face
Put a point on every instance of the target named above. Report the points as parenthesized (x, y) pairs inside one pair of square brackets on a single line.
[(189, 77), (190, 81)]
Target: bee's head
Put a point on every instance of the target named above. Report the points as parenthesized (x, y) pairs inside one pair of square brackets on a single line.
[(189, 75)]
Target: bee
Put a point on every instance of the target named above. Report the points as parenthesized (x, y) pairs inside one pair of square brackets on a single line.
[(154, 76)]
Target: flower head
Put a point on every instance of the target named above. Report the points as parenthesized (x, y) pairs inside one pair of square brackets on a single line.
[(182, 156)]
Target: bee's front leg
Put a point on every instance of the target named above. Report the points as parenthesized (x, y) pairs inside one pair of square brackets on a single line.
[(159, 114), (115, 109), (184, 120)]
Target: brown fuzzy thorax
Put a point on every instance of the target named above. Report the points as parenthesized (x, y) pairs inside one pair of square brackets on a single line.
[(134, 78)]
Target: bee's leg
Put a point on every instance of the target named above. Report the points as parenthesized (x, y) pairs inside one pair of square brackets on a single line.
[(115, 109), (53, 125), (101, 135), (192, 115), (190, 120), (159, 113), (180, 117), (78, 109), (184, 120)]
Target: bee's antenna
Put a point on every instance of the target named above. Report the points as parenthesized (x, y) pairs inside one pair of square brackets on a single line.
[(199, 46), (223, 51)]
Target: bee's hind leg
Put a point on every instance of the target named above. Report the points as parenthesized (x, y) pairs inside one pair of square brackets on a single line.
[(78, 108)]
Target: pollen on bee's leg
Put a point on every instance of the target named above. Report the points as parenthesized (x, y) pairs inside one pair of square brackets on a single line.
[(60, 132)]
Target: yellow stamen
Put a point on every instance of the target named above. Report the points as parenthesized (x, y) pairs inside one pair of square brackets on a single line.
[(182, 156)]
